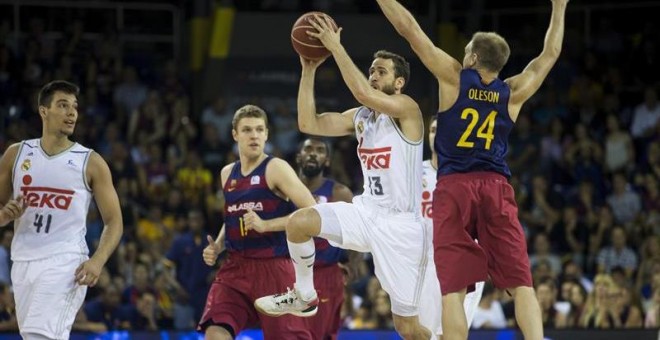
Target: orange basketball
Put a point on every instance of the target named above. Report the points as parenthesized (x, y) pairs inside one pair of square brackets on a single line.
[(305, 45)]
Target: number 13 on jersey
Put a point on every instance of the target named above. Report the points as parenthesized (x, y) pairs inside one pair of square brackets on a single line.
[(485, 130)]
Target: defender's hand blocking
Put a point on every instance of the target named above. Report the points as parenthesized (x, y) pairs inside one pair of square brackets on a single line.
[(87, 274), (211, 252), (325, 33), (12, 210), (252, 221)]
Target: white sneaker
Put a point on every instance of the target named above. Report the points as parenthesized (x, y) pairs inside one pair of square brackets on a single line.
[(287, 303)]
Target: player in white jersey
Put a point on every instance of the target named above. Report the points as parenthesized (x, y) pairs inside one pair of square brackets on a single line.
[(385, 220), (53, 179), (429, 179)]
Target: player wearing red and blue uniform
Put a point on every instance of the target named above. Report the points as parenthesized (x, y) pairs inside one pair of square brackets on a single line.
[(473, 199), (312, 158), (258, 191)]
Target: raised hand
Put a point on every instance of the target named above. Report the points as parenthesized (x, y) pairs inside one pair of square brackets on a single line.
[(211, 252), (324, 32)]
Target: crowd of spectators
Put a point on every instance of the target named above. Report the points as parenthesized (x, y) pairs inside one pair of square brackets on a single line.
[(585, 158)]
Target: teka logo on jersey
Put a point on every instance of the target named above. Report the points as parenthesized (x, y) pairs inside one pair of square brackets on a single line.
[(256, 206), (378, 158), (44, 197)]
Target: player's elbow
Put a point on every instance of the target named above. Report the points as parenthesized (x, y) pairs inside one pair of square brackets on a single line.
[(553, 52), (305, 128)]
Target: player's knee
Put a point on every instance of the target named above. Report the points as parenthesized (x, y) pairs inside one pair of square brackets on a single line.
[(304, 222)]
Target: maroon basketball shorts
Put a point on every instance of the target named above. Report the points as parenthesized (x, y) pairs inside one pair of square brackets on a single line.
[(478, 205)]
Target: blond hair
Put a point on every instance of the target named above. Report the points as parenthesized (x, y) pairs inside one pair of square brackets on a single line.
[(248, 111), (491, 49)]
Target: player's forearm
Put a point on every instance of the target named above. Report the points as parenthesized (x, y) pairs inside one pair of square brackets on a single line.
[(109, 240), (402, 20), (555, 34), (353, 77), (276, 224), (307, 117)]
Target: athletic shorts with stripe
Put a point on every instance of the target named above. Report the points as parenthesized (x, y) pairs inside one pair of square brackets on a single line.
[(398, 242)]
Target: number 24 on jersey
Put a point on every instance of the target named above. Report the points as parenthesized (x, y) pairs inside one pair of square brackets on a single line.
[(485, 130)]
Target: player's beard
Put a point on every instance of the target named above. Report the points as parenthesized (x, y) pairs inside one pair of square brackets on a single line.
[(312, 170), (389, 89)]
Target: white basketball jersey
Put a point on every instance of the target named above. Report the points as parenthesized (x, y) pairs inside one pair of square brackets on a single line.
[(428, 185), (391, 164), (58, 199)]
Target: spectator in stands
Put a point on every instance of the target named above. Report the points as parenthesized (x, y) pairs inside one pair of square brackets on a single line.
[(626, 204), (619, 149), (542, 252), (617, 254), (543, 209), (141, 283), (600, 303), (553, 313), (130, 93), (646, 116), (106, 309), (627, 307), (185, 257)]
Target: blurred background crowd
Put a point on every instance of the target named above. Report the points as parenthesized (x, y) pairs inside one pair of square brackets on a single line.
[(585, 158)]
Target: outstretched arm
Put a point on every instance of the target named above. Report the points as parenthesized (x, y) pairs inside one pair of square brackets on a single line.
[(525, 84), (397, 105), (443, 66), (326, 124)]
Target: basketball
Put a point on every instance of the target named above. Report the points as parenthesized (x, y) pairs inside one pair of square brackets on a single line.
[(306, 46)]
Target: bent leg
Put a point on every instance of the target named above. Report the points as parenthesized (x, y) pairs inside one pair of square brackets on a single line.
[(302, 226)]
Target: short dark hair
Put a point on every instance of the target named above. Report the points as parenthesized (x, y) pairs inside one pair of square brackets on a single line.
[(249, 111), (401, 66), (493, 51), (48, 91)]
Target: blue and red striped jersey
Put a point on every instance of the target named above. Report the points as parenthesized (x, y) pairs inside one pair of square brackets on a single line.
[(252, 192), (472, 135)]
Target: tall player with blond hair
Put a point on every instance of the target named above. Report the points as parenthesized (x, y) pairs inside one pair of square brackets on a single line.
[(476, 113)]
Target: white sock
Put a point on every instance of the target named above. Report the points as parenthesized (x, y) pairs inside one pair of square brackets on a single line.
[(303, 255)]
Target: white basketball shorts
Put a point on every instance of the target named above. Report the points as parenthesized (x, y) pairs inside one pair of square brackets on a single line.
[(398, 243), (47, 297)]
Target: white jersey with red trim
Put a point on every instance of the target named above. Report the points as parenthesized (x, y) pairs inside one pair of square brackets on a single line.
[(428, 185), (58, 197), (391, 163)]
